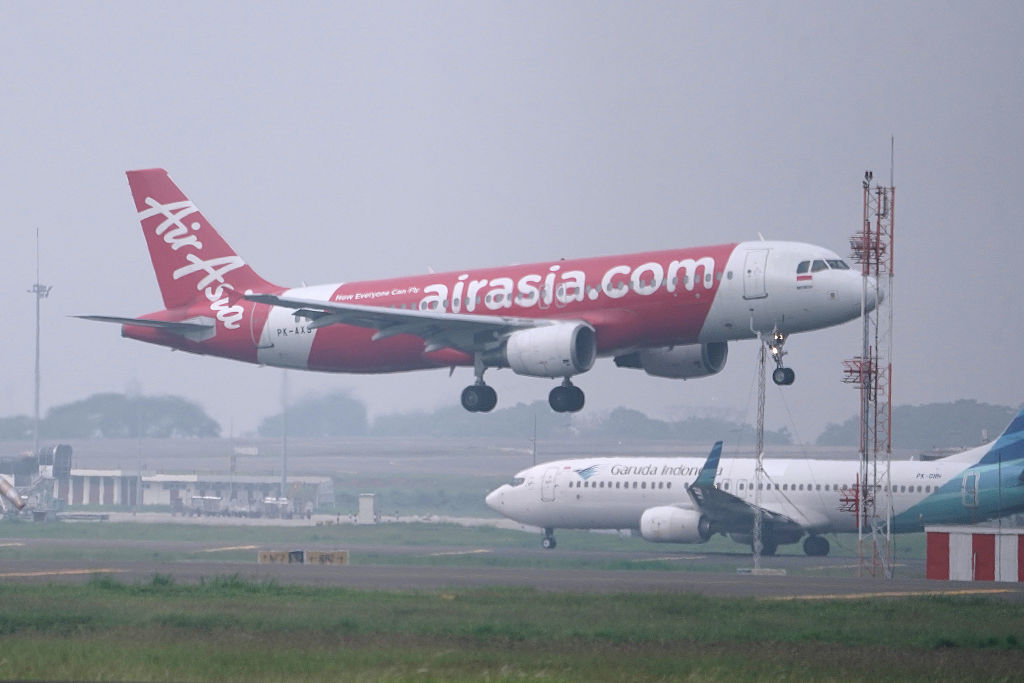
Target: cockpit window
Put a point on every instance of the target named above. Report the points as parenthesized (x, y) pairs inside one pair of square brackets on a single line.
[(803, 267), (516, 481), (838, 264), (818, 265)]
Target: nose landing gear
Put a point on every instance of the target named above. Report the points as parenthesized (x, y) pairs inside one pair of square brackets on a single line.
[(782, 376)]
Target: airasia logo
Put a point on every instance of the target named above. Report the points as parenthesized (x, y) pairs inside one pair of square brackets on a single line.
[(175, 233), (560, 288)]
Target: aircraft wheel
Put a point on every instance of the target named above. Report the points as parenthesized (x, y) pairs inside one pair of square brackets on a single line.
[(566, 399), (548, 543), (768, 547), (816, 546), (559, 399), (779, 376), (790, 376), (576, 399), (479, 398)]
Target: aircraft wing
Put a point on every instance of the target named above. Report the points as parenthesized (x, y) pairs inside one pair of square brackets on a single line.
[(729, 513), (439, 329)]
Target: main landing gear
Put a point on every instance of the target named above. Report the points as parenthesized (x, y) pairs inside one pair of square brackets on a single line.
[(548, 542), (566, 398), (816, 546), (481, 398), (478, 397), (782, 376)]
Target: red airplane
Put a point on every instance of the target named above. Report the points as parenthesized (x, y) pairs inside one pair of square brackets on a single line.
[(669, 313)]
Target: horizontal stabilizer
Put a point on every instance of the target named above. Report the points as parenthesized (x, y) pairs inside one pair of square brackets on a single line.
[(194, 329)]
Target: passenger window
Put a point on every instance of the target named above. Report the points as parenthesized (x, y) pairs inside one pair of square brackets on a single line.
[(643, 484)]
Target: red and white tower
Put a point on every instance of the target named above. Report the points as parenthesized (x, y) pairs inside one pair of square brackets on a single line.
[(871, 372)]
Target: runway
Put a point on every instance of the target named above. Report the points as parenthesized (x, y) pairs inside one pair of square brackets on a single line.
[(703, 573)]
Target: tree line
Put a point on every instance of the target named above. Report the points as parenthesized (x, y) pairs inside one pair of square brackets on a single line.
[(961, 423)]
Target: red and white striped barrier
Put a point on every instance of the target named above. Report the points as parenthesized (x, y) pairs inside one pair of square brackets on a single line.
[(975, 553)]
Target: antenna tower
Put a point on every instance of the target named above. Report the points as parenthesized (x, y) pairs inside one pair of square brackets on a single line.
[(871, 372)]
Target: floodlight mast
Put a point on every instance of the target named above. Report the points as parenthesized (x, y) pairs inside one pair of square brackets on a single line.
[(40, 291)]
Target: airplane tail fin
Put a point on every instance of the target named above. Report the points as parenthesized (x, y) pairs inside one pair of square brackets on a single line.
[(710, 468), (192, 261), (1010, 444)]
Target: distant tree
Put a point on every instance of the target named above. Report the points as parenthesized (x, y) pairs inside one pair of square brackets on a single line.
[(626, 423), (337, 414), (960, 424), (515, 422), (112, 415), (16, 428)]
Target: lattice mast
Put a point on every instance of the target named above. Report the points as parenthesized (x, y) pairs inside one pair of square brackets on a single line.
[(871, 372)]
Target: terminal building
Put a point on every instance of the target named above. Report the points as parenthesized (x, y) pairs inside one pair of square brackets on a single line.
[(48, 481)]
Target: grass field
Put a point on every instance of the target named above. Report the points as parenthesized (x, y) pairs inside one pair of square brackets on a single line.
[(232, 630)]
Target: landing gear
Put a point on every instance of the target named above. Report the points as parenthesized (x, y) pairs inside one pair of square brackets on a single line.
[(548, 542), (566, 398), (768, 546), (479, 398), (816, 546), (782, 376)]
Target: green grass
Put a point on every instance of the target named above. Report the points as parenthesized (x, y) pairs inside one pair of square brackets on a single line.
[(230, 629)]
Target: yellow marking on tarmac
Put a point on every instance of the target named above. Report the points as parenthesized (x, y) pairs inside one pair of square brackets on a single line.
[(10, 545), (62, 572), (231, 547), (893, 594), (460, 552), (672, 558)]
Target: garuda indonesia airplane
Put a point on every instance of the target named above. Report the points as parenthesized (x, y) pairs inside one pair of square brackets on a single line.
[(670, 313), (687, 500)]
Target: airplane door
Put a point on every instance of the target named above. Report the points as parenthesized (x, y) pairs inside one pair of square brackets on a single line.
[(969, 490), (547, 484), (754, 266)]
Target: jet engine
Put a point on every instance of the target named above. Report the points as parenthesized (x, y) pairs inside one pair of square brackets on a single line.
[(678, 362), (671, 524), (11, 494), (557, 350)]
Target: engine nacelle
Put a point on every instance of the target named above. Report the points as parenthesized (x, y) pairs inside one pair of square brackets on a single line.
[(671, 524), (678, 362), (557, 350)]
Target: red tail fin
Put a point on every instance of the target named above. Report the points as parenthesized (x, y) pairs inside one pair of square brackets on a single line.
[(192, 262)]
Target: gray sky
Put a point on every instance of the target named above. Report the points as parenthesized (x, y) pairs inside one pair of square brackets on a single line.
[(342, 141)]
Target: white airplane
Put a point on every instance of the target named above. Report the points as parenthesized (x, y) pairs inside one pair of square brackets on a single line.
[(687, 500), (670, 313)]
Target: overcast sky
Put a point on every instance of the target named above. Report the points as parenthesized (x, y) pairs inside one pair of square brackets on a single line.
[(338, 141)]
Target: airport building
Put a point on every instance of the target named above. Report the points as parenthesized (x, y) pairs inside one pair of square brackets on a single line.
[(208, 493)]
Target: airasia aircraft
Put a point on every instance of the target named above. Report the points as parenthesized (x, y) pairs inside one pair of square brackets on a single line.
[(669, 313)]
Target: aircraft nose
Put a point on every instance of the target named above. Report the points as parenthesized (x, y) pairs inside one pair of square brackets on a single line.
[(872, 301), (494, 499)]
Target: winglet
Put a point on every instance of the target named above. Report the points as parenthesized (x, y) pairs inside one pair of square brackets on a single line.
[(710, 469)]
